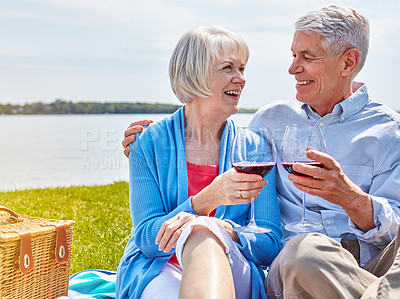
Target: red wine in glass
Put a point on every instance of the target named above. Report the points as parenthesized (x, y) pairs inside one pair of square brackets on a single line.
[(260, 168), (296, 140), (253, 152), (289, 166)]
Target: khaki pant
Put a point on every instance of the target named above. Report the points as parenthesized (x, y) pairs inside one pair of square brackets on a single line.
[(316, 266)]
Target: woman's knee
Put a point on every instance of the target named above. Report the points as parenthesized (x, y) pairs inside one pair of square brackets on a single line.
[(201, 233)]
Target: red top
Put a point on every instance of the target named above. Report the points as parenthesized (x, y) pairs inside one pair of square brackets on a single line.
[(199, 177)]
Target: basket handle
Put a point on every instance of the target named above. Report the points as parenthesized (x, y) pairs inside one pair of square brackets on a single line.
[(14, 215)]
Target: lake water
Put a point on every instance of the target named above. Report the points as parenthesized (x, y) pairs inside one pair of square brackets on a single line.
[(62, 150)]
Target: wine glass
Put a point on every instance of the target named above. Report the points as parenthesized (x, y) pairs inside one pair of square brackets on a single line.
[(253, 152), (296, 140)]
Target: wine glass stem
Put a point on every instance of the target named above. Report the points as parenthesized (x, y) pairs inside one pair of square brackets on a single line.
[(252, 213), (304, 207)]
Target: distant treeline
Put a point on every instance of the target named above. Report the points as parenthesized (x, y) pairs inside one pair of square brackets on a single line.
[(65, 107)]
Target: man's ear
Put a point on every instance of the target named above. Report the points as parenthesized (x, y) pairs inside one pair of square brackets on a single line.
[(350, 61)]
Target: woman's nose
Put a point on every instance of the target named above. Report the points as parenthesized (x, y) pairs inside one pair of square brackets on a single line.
[(239, 77)]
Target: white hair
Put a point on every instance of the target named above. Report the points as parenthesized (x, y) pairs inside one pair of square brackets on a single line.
[(193, 56), (342, 28)]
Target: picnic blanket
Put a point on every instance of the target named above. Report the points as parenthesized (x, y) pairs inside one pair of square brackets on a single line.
[(98, 284)]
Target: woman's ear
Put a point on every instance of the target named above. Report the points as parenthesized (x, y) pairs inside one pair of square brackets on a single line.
[(350, 61)]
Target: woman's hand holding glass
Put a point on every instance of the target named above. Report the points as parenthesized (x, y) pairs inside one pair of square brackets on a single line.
[(229, 188)]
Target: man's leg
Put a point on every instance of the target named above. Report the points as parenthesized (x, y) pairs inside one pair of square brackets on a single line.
[(316, 266), (386, 265)]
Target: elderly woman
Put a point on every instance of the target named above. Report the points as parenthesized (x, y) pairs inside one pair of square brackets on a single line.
[(186, 199)]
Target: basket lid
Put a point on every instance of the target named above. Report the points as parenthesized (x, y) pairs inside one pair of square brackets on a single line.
[(13, 221)]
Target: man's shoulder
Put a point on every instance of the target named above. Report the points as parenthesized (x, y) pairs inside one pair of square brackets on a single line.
[(384, 112), (290, 104), (276, 111), (380, 122)]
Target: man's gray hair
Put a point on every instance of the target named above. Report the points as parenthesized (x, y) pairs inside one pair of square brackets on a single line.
[(195, 54), (341, 28)]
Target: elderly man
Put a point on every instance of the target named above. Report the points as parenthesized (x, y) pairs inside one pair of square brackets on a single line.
[(356, 195)]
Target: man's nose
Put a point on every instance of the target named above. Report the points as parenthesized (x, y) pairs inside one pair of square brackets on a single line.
[(295, 67)]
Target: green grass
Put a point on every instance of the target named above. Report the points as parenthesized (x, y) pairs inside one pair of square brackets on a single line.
[(101, 215)]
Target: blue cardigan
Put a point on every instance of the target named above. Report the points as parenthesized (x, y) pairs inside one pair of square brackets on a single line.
[(158, 190)]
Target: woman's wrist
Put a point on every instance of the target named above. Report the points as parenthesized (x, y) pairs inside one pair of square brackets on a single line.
[(200, 205)]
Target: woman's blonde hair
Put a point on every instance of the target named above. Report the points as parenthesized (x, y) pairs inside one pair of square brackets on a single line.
[(194, 55)]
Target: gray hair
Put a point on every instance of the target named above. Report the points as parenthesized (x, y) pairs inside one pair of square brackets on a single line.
[(341, 28), (195, 53)]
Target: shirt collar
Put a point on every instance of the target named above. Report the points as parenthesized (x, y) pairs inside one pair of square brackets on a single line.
[(356, 101), (348, 107)]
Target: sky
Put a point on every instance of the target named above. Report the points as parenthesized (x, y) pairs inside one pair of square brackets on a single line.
[(118, 50)]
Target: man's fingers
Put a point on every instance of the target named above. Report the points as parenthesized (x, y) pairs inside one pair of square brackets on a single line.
[(129, 134), (128, 140), (125, 143), (141, 122), (127, 151), (309, 170), (324, 158), (133, 130)]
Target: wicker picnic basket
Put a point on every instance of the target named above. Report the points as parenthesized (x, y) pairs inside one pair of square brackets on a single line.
[(35, 255)]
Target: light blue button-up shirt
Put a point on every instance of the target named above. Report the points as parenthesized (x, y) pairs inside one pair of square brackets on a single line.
[(364, 137)]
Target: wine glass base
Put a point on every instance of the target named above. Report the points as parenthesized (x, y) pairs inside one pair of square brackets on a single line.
[(304, 227), (251, 228)]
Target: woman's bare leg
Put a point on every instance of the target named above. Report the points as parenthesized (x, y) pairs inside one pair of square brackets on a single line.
[(206, 269)]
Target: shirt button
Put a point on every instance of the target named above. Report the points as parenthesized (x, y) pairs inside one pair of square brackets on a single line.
[(328, 222), (321, 124)]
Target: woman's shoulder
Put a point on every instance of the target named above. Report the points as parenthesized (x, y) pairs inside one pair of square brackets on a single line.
[(159, 126), (231, 124), (156, 132)]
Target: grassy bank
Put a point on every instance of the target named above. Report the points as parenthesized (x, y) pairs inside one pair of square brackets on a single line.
[(101, 215)]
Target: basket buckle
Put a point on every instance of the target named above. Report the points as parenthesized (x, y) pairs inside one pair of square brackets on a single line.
[(61, 251), (26, 264)]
